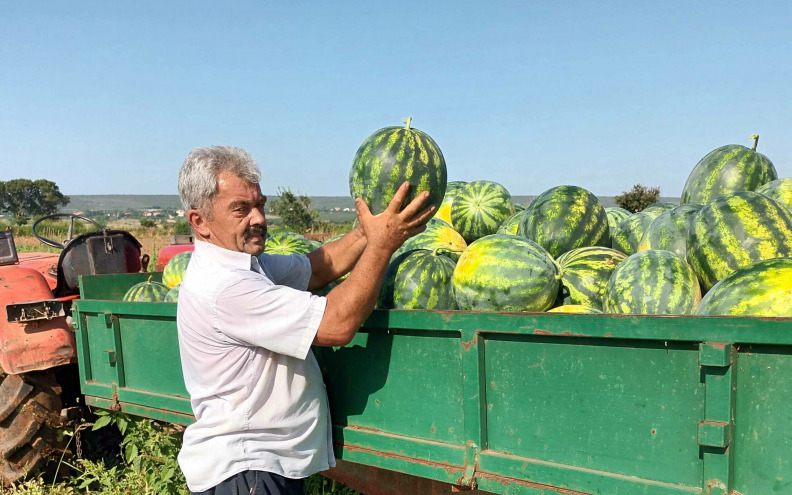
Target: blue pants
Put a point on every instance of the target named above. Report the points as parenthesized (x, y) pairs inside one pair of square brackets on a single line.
[(256, 483)]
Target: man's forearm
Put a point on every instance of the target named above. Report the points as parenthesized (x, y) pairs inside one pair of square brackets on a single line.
[(337, 258)]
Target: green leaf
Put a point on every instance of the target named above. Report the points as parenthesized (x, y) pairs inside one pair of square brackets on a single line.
[(101, 422)]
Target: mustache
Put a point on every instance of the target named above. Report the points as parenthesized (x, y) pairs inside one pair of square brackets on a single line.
[(255, 230)]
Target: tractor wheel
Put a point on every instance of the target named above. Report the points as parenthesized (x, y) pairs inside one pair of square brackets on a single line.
[(30, 406)]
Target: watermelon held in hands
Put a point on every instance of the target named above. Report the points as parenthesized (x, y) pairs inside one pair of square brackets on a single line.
[(725, 170), (392, 156), (652, 283), (564, 218), (147, 291), (419, 279), (174, 271), (503, 272), (480, 207), (761, 289)]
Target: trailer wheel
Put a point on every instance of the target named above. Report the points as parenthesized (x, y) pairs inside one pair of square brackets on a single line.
[(30, 405)]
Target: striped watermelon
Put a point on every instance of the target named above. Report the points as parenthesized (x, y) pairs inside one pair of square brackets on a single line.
[(726, 170), (735, 231), (479, 208), (503, 272), (761, 289), (173, 273), (418, 279), (779, 190), (392, 156), (148, 291), (669, 231), (173, 294), (652, 283), (564, 218), (510, 225), (585, 273), (631, 230), (616, 215), (437, 237), (444, 211), (575, 308), (657, 209), (289, 243), (519, 207)]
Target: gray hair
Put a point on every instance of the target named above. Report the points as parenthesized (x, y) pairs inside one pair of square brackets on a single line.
[(199, 173)]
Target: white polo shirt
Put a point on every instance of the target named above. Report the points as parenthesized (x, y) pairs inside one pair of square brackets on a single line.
[(246, 325)]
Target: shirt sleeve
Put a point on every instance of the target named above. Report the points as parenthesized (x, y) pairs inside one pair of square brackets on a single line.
[(255, 312), (291, 270)]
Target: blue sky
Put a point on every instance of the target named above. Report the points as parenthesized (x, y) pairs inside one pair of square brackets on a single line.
[(108, 98)]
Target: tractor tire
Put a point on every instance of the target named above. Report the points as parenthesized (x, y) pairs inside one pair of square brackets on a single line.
[(30, 405)]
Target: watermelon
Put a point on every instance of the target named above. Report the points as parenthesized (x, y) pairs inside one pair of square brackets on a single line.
[(502, 272), (479, 208), (630, 231), (418, 279), (652, 282), (575, 308), (519, 207), (333, 239), (173, 294), (173, 273), (392, 156), (658, 208), (728, 169), (437, 237), (761, 289), (669, 231), (289, 243), (779, 190), (510, 225), (616, 215), (585, 273), (444, 211), (147, 291), (564, 218), (735, 231)]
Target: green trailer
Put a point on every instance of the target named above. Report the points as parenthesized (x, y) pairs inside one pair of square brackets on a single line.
[(429, 402)]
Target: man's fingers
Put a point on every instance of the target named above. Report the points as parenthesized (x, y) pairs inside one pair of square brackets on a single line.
[(422, 218), (415, 205), (362, 210), (413, 231), (398, 198)]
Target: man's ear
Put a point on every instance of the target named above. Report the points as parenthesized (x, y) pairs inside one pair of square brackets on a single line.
[(198, 222)]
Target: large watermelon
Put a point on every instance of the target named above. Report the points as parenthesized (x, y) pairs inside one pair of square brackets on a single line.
[(289, 243), (479, 208), (630, 231), (418, 279), (392, 156), (148, 291), (173, 273), (437, 237), (503, 272), (669, 231), (585, 273), (658, 208), (735, 231), (761, 289), (511, 224), (444, 211), (779, 190), (564, 218), (652, 283), (726, 170)]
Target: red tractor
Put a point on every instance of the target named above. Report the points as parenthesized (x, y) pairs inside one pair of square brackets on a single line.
[(38, 379)]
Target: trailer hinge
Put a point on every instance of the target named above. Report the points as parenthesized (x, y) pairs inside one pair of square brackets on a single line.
[(468, 480), (116, 404)]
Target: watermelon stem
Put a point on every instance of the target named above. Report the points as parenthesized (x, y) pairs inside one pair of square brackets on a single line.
[(755, 137), (558, 267), (407, 122)]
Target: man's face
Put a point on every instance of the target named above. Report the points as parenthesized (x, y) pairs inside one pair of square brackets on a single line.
[(238, 221)]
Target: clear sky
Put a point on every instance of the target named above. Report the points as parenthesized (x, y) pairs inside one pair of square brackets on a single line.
[(109, 97)]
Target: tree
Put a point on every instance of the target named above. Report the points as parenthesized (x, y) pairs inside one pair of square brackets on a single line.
[(26, 198), (638, 198), (295, 211), (147, 223)]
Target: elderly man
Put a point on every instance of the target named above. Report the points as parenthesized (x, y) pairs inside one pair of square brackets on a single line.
[(246, 325)]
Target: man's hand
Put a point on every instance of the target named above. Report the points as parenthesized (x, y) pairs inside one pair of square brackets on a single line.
[(388, 230)]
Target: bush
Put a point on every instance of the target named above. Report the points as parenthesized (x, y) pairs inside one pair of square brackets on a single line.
[(182, 227), (147, 223), (638, 198)]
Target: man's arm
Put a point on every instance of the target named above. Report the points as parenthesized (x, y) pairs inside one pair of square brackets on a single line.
[(349, 304), (333, 260)]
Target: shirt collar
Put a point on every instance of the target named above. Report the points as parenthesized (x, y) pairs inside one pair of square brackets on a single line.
[(226, 257)]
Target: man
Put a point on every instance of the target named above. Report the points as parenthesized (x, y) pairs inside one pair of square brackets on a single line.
[(246, 324)]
